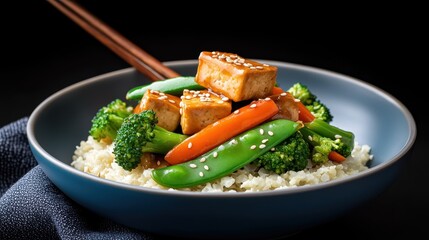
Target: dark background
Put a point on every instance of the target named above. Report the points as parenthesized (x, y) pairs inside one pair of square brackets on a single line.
[(43, 51)]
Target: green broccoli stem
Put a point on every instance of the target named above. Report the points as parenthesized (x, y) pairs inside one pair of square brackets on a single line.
[(163, 141), (325, 129)]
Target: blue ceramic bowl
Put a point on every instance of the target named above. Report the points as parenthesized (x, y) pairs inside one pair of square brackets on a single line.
[(60, 122)]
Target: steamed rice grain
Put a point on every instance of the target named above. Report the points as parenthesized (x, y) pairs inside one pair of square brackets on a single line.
[(96, 158)]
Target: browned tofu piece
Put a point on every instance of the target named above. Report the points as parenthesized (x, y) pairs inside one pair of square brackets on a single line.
[(166, 107), (201, 108), (235, 77)]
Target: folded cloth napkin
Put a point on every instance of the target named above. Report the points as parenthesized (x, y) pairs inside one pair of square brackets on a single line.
[(32, 207)]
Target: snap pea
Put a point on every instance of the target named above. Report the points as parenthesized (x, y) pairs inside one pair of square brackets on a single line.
[(327, 130), (173, 86), (227, 157)]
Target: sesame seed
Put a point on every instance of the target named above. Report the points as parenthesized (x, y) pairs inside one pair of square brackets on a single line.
[(253, 68), (185, 90), (310, 138), (215, 154), (162, 98), (266, 65), (220, 101), (253, 147), (262, 146), (162, 94), (267, 99), (181, 104), (234, 141), (225, 99), (283, 94), (265, 140), (236, 111), (206, 167), (297, 100), (213, 52), (253, 105), (192, 165), (201, 174), (190, 145), (261, 131), (182, 97), (270, 133), (188, 97), (259, 67), (181, 111), (203, 159), (172, 101), (338, 136)]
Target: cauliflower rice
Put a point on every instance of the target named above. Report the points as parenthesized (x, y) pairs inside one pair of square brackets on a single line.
[(96, 158)]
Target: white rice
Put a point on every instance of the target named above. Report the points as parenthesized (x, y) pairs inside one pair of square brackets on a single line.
[(97, 159)]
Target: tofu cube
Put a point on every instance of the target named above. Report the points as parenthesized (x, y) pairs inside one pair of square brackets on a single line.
[(202, 108), (235, 77), (166, 107)]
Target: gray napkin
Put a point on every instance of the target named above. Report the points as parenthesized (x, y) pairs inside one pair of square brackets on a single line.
[(31, 207)]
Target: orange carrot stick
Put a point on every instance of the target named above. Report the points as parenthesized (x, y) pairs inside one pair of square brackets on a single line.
[(304, 114), (336, 157), (277, 90), (218, 132)]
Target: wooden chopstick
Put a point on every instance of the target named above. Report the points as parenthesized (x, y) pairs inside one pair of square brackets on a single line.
[(131, 53)]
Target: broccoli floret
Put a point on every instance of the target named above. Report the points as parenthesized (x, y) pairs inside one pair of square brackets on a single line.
[(139, 134), (320, 111), (321, 146), (108, 120), (301, 92), (311, 102), (291, 154)]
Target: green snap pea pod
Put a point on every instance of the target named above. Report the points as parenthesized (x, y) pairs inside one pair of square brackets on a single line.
[(227, 157), (173, 86), (325, 129)]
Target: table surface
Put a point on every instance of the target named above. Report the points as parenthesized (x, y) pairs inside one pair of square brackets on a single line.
[(54, 53)]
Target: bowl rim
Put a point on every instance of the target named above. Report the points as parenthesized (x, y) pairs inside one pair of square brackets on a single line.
[(285, 191)]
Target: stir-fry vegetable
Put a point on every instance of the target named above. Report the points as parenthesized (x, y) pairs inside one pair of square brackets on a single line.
[(331, 135), (324, 143), (311, 102), (291, 154), (227, 157), (108, 120), (139, 134), (218, 132), (173, 86)]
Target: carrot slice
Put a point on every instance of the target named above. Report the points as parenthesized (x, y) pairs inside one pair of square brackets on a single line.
[(304, 114), (336, 157), (277, 90), (244, 118)]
